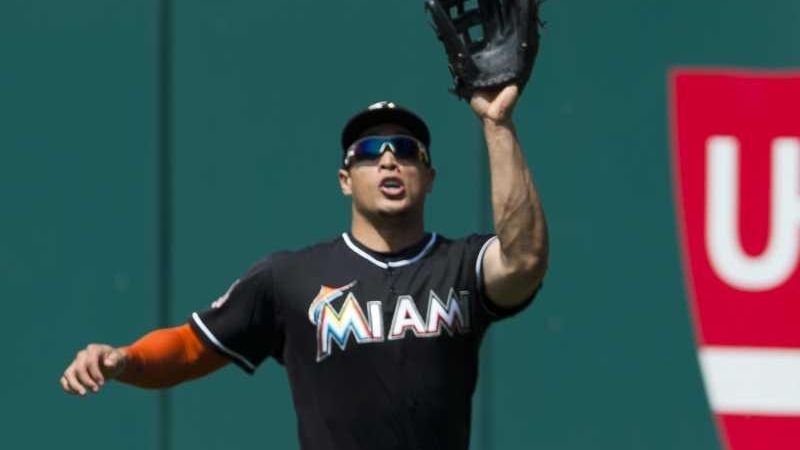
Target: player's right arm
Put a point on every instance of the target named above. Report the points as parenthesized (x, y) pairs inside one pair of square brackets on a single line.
[(160, 359), (243, 326)]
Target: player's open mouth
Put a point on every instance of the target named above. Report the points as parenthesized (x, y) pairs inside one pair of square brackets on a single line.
[(392, 187)]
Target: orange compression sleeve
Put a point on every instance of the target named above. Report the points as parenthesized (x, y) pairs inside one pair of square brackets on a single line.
[(169, 356)]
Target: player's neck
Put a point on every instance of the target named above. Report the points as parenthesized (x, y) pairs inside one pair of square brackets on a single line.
[(387, 236)]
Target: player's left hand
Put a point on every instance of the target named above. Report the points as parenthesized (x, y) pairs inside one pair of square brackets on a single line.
[(495, 107)]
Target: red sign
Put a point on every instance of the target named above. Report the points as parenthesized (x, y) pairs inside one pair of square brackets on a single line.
[(736, 160)]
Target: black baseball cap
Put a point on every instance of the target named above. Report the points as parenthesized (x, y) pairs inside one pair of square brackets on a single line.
[(380, 113)]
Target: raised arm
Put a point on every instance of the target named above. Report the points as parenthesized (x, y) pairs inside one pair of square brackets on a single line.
[(514, 264), (160, 359)]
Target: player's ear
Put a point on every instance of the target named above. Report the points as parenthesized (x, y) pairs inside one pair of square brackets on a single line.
[(431, 178), (344, 182)]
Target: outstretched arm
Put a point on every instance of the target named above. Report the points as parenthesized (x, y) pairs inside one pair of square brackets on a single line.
[(160, 359), (515, 263)]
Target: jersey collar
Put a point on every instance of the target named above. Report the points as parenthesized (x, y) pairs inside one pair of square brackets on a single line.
[(391, 261)]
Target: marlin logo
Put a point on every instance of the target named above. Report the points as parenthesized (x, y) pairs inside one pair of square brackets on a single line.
[(337, 326), (325, 296)]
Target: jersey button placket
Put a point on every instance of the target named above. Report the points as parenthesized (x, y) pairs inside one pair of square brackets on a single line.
[(390, 275)]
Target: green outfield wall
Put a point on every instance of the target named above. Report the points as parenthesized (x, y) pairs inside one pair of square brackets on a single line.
[(150, 152)]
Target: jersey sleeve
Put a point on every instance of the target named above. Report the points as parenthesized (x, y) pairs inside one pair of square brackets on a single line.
[(244, 324), (475, 247)]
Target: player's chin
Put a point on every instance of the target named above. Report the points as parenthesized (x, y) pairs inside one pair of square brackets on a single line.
[(395, 207), (393, 210)]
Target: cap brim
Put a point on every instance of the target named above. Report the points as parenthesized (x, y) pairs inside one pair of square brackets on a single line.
[(365, 120)]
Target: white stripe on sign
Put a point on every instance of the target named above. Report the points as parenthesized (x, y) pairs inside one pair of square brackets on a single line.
[(752, 380)]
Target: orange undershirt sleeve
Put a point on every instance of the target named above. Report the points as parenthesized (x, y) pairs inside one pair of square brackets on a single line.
[(169, 356)]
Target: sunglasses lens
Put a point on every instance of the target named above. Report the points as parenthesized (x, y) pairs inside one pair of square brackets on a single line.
[(410, 149), (403, 147), (368, 148)]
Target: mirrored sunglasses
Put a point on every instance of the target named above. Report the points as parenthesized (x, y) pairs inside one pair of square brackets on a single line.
[(372, 147)]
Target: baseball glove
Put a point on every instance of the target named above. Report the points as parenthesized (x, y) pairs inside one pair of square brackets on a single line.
[(490, 46)]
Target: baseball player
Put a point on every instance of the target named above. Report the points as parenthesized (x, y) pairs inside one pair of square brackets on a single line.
[(379, 328)]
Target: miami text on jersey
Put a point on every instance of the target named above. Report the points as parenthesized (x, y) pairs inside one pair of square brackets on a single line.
[(337, 326)]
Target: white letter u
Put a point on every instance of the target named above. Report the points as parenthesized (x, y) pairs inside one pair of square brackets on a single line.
[(777, 262)]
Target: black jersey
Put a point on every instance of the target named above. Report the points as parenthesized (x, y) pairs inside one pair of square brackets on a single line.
[(381, 349)]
